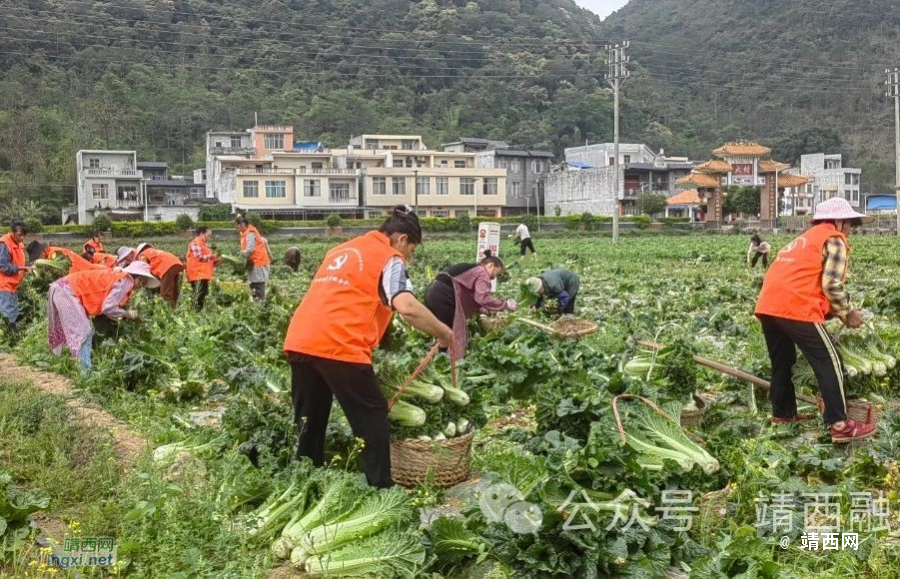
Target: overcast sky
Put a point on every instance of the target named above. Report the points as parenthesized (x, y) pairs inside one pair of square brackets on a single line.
[(602, 7)]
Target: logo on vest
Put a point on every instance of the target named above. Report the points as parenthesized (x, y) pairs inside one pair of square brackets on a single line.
[(338, 262), (793, 245)]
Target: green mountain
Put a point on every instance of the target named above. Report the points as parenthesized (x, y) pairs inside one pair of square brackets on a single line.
[(800, 75), (155, 75)]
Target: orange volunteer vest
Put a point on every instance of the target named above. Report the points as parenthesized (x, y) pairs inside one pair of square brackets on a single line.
[(91, 288), (98, 247), (77, 263), (792, 288), (199, 270), (160, 261), (10, 283), (342, 317), (105, 259), (260, 255)]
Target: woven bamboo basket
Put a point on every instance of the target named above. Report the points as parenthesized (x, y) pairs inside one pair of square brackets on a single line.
[(573, 327), (491, 323), (444, 464), (693, 418), (861, 411), (712, 510)]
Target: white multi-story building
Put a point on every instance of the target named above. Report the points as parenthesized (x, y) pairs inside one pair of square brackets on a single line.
[(829, 179), (109, 182)]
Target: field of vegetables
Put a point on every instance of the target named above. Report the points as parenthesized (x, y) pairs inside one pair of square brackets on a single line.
[(215, 491)]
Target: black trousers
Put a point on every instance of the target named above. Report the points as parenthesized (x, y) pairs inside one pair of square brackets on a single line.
[(782, 336), (201, 290), (314, 382), (440, 299), (755, 258), (525, 243), (570, 307), (258, 291)]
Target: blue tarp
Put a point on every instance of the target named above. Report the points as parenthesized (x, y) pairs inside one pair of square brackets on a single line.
[(309, 147), (881, 203), (580, 165)]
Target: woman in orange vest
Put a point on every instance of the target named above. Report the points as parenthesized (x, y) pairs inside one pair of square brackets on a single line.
[(803, 287), (201, 265), (94, 244), (78, 297), (12, 270), (256, 249), (339, 323), (166, 267), (98, 257)]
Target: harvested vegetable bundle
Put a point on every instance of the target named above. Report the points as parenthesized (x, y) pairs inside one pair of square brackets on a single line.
[(387, 554), (861, 354), (376, 513), (659, 439), (672, 368), (430, 408)]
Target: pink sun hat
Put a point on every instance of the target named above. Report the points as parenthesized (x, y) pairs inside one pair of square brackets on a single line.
[(838, 208), (141, 268)]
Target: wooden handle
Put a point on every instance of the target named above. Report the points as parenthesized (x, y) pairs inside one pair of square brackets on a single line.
[(537, 325), (737, 373)]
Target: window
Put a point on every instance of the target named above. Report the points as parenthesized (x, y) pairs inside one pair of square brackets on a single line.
[(127, 193), (312, 188), (459, 164), (251, 189), (515, 165), (398, 186), (462, 213), (490, 186), (515, 190), (467, 186), (316, 165), (398, 163), (379, 186), (851, 179), (273, 141), (855, 197), (440, 213), (443, 185), (423, 186), (537, 166), (626, 158), (409, 162), (612, 161), (444, 164), (339, 192), (407, 145), (94, 163), (501, 163), (100, 191), (235, 142), (276, 189)]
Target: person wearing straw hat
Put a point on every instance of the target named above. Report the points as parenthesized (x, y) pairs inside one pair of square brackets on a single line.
[(166, 267), (559, 284), (802, 288), (341, 320), (76, 298), (12, 270)]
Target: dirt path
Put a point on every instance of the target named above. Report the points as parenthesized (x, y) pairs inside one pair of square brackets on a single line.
[(127, 444)]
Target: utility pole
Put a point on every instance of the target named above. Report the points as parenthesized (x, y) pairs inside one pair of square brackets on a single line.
[(615, 62), (893, 92), (416, 191)]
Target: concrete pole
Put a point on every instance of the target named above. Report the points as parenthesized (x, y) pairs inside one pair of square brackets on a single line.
[(615, 223), (897, 155)]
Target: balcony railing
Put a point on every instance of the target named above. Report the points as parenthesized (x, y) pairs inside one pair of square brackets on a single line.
[(342, 200), (300, 171), (114, 172), (233, 151), (127, 203)]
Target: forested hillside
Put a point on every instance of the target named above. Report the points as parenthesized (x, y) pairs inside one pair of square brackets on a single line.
[(801, 75), (156, 75)]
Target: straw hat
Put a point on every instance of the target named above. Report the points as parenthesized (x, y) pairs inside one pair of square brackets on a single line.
[(123, 253), (140, 268), (535, 284), (838, 208)]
